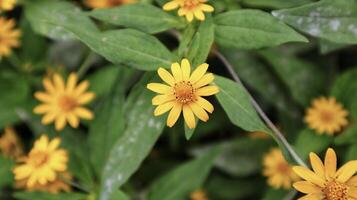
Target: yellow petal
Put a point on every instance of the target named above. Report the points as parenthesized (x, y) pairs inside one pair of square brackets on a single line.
[(306, 187), (160, 99), (174, 115), (205, 104), (48, 85), (49, 117), (54, 144), (160, 88), (330, 164), (352, 192), (163, 108), (176, 72), (186, 69), (198, 73), (71, 82), (86, 98), (73, 120), (42, 109), (181, 12), (189, 16), (58, 82), (84, 113), (317, 165), (309, 175), (171, 5), (352, 181), (199, 15), (205, 80), (166, 76), (206, 8), (60, 122), (318, 196), (43, 97), (199, 112), (207, 91), (346, 171), (82, 87), (189, 117)]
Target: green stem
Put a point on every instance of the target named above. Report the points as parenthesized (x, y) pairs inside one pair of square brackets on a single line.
[(73, 184), (86, 64), (270, 124)]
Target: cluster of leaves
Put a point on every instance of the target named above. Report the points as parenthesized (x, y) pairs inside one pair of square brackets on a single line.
[(126, 147)]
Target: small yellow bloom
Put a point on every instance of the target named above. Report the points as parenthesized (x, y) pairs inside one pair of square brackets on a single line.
[(190, 8), (7, 5), (9, 36), (184, 93), (278, 171), (326, 116), (10, 145), (258, 135), (325, 182), (43, 164), (63, 103), (54, 187), (107, 3), (198, 195)]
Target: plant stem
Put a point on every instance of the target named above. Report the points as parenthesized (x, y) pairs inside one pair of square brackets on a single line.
[(86, 64), (260, 111), (73, 184)]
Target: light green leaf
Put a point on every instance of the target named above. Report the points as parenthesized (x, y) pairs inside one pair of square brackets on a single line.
[(248, 29), (304, 79), (274, 194), (348, 136), (108, 125), (275, 3), (119, 195), (142, 132), (144, 17), (102, 80), (190, 131), (236, 102), (201, 43), (328, 46), (48, 196), (178, 183), (309, 141), (332, 20)]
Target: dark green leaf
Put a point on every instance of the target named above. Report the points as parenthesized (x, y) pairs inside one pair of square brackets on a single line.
[(48, 196), (7, 177), (248, 29), (309, 141), (275, 3)]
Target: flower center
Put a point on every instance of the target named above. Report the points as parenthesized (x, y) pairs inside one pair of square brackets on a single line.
[(283, 168), (115, 2), (335, 191), (67, 103), (184, 92), (326, 116), (191, 4), (39, 158)]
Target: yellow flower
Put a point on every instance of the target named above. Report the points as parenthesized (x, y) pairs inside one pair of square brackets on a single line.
[(325, 182), (190, 8), (56, 186), (7, 4), (10, 145), (326, 116), (63, 103), (198, 195), (107, 3), (258, 135), (43, 163), (184, 93), (9, 36), (278, 171)]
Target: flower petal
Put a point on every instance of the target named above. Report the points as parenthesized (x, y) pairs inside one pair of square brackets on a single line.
[(176, 72), (43, 108), (198, 73), (346, 171), (163, 108), (199, 112), (317, 165), (82, 87), (189, 117), (71, 82), (306, 187), (160, 88), (85, 98), (318, 196), (352, 192), (44, 97), (171, 5), (199, 14), (84, 113), (174, 115), (189, 16), (166, 76), (58, 82), (163, 98), (330, 164), (206, 8), (73, 120), (48, 85), (60, 122), (205, 104), (186, 69), (352, 181), (309, 175), (205, 80), (207, 91)]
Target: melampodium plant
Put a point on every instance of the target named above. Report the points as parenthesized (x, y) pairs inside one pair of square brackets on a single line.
[(178, 99)]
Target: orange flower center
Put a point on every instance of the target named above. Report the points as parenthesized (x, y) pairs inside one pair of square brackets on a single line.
[(327, 116), (283, 168), (191, 4), (184, 92), (39, 158), (335, 191), (67, 103)]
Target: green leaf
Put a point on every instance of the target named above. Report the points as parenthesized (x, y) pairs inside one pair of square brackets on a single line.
[(248, 29), (119, 195), (41, 13), (142, 132), (275, 3), (236, 102), (274, 194), (7, 177), (125, 46), (304, 80), (144, 17), (201, 43), (328, 19), (190, 131), (237, 157), (102, 80), (348, 136), (108, 126), (48, 196), (309, 141), (351, 153), (328, 46), (178, 183)]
